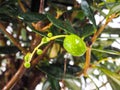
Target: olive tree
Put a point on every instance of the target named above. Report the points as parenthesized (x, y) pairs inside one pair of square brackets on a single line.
[(59, 44)]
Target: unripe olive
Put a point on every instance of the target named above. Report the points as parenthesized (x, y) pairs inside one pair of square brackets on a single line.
[(74, 45)]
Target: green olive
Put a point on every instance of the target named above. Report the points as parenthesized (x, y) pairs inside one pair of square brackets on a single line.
[(74, 45)]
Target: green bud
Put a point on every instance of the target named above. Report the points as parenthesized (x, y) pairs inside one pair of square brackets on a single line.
[(45, 39), (27, 64), (27, 57), (39, 51), (49, 34)]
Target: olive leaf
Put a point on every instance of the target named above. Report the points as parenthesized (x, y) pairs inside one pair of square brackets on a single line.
[(115, 9), (31, 16), (112, 75), (64, 25), (88, 12)]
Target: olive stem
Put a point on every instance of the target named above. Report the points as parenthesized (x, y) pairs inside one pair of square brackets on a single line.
[(93, 39), (102, 60), (43, 42), (59, 36)]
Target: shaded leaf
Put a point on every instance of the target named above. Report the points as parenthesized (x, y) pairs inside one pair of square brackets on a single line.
[(80, 15), (88, 12), (112, 75), (87, 30), (66, 26), (4, 17), (8, 49), (31, 17), (54, 83), (56, 70), (9, 10)]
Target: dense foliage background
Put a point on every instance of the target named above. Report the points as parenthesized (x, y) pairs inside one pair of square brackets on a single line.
[(23, 24)]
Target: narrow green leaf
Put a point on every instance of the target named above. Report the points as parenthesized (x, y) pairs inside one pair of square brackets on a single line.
[(31, 17), (108, 52), (9, 10), (70, 83), (115, 9), (24, 34), (64, 25), (54, 83), (88, 12), (112, 75), (8, 49), (46, 85), (113, 84)]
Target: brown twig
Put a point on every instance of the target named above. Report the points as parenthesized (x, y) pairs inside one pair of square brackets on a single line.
[(22, 6), (88, 52), (87, 63), (15, 78), (41, 8), (14, 41), (102, 28), (22, 70)]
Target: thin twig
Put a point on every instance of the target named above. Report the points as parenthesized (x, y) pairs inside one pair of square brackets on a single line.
[(45, 28), (15, 78), (102, 28), (22, 6), (87, 63), (65, 66), (14, 41), (94, 38), (36, 60), (41, 7), (22, 70)]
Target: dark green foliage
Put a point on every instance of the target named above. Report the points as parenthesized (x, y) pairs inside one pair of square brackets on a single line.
[(66, 26), (8, 49), (88, 12), (87, 30), (31, 17)]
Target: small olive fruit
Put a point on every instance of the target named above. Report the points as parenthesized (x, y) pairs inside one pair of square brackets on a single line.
[(74, 45)]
